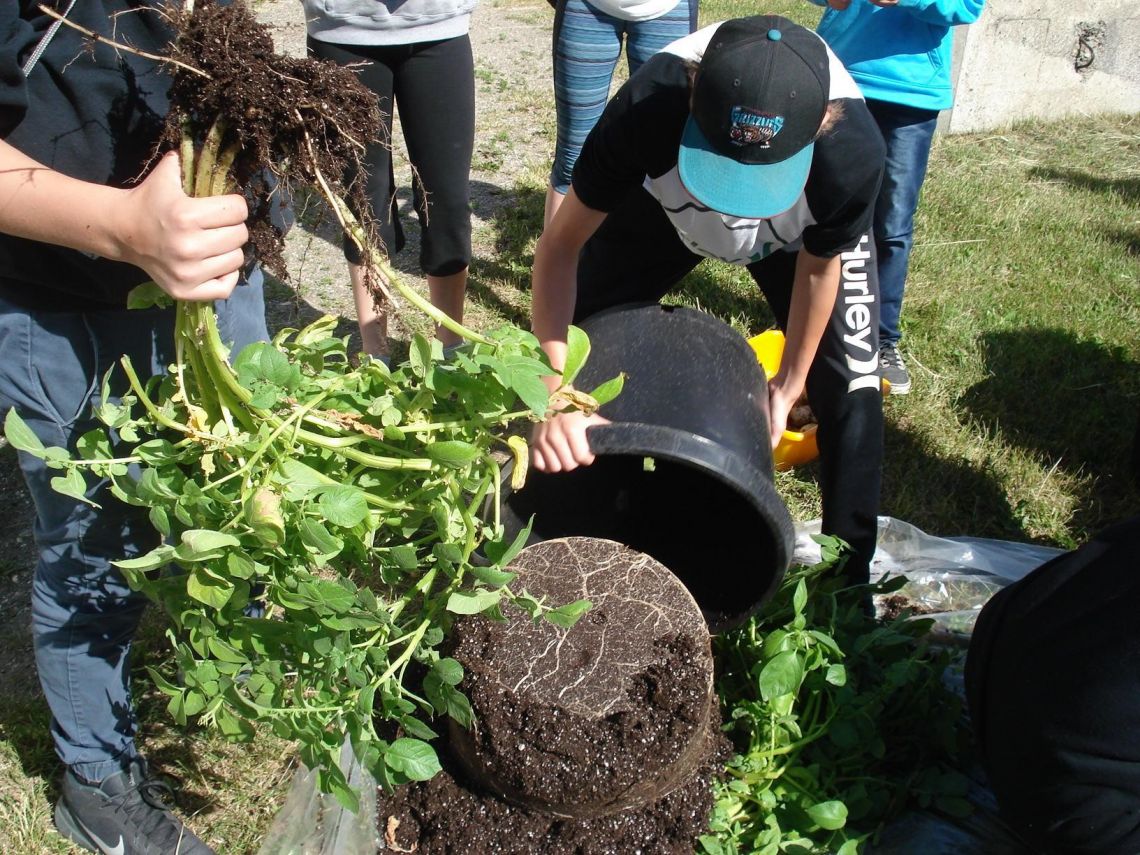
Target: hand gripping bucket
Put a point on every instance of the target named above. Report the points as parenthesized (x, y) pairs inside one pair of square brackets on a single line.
[(685, 471)]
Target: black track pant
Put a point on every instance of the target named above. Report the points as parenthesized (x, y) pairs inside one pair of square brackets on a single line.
[(636, 255), (1053, 682), (433, 86)]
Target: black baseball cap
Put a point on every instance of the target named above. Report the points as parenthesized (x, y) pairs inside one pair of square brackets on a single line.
[(759, 98)]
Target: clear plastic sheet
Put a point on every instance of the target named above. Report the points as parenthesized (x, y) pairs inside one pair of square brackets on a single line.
[(952, 577), (314, 823)]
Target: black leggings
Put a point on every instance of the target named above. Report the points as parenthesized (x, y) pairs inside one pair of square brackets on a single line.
[(433, 84), (636, 255)]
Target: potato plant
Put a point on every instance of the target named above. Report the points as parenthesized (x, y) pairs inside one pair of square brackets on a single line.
[(319, 520)]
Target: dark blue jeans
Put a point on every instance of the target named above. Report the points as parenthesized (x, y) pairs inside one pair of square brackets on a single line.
[(84, 614), (907, 132)]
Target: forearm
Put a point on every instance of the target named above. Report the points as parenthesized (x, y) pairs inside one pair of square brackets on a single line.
[(192, 247), (44, 205), (813, 299), (552, 302), (555, 276)]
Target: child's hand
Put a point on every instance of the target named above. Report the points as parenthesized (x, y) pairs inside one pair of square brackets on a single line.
[(191, 247)]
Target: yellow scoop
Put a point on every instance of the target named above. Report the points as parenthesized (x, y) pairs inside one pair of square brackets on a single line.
[(796, 446)]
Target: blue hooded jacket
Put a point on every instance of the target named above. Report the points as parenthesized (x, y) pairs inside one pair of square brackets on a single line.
[(901, 53)]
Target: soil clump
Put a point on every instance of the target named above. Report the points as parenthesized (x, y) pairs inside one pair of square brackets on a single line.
[(275, 119), (601, 738)]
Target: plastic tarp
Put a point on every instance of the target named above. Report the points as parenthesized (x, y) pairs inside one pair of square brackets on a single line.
[(952, 577)]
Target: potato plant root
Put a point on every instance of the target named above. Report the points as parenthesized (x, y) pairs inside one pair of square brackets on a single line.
[(279, 118)]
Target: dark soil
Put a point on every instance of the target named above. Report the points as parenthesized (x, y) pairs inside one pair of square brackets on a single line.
[(449, 815), (896, 605), (603, 738), (285, 119)]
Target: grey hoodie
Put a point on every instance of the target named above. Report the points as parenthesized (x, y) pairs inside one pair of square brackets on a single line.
[(386, 22)]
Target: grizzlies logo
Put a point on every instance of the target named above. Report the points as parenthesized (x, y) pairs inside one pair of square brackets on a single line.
[(752, 128)]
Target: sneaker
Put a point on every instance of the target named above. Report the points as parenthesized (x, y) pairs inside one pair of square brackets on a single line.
[(893, 370), (127, 814)]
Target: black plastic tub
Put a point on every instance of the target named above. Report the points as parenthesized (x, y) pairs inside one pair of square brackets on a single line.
[(684, 473)]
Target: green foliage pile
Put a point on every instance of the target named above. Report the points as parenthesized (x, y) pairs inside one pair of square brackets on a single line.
[(319, 524), (840, 721)]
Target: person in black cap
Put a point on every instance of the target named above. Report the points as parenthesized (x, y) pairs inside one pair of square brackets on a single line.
[(746, 141)]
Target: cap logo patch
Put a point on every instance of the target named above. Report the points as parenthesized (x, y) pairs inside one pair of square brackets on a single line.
[(750, 127)]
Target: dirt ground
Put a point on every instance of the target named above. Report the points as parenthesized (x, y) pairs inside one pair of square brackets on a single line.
[(511, 44)]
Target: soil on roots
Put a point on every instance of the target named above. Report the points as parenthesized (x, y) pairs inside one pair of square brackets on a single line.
[(282, 119), (603, 738)]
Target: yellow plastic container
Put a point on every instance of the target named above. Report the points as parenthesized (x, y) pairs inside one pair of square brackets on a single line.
[(795, 446)]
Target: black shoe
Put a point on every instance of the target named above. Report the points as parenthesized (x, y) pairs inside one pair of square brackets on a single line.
[(126, 814), (893, 370)]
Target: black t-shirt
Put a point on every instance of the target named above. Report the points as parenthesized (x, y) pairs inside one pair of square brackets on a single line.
[(89, 111), (636, 142)]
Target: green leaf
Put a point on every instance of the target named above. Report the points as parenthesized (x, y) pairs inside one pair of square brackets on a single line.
[(414, 727), (782, 675), (491, 576), (452, 452), (335, 597), (830, 815), (577, 350), (531, 391), (448, 670), (299, 481), (566, 616), (464, 603), (317, 539), (954, 806), (503, 554), (200, 544), (799, 598), (836, 675), (21, 437), (343, 506), (94, 445), (448, 700), (147, 296), (207, 588), (157, 557), (603, 393), (412, 757), (404, 556), (419, 355), (156, 452), (72, 484)]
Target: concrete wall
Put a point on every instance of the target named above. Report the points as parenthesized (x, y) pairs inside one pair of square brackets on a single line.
[(1045, 59)]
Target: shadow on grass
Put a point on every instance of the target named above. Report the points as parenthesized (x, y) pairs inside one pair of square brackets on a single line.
[(926, 490), (501, 283), (1070, 401), (1127, 188)]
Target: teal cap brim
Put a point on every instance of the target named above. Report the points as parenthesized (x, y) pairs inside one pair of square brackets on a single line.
[(751, 190)]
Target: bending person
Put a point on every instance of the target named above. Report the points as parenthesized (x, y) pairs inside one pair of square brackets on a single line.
[(748, 142)]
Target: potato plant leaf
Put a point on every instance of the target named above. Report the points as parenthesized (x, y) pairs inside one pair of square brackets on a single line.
[(473, 602), (20, 435), (577, 349), (413, 758)]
